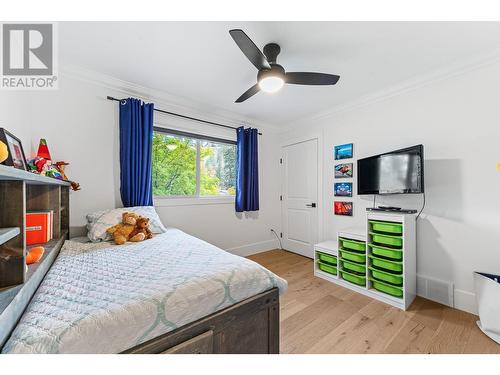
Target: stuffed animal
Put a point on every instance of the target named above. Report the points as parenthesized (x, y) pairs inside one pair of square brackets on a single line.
[(60, 165), (123, 232), (142, 227), (46, 167)]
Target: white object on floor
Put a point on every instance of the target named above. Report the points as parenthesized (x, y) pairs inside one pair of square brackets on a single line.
[(488, 304)]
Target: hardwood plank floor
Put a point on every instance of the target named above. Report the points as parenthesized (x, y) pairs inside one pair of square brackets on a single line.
[(321, 317)]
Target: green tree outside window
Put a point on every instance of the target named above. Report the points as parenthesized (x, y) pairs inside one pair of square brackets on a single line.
[(175, 166)]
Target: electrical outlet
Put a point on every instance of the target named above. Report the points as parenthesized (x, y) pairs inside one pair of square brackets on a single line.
[(277, 237)]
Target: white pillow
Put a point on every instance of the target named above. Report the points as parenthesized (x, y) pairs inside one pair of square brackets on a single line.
[(98, 222)]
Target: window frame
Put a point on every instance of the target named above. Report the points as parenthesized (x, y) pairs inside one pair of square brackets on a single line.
[(182, 200)]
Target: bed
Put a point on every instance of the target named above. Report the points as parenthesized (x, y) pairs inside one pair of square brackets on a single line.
[(171, 294)]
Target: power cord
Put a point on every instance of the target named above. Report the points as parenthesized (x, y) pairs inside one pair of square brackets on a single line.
[(281, 247), (374, 197), (423, 205)]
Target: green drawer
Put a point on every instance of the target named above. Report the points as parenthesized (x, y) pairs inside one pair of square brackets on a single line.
[(352, 256), (386, 277), (353, 278), (352, 244), (385, 239), (388, 265), (386, 227), (327, 268), (386, 252), (350, 266), (387, 289), (327, 258)]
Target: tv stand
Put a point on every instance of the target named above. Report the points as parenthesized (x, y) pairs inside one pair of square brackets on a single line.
[(378, 260)]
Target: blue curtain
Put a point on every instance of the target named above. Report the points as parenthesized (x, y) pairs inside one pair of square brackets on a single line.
[(247, 176), (136, 141)]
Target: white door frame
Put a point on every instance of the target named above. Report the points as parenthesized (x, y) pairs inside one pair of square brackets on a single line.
[(320, 211)]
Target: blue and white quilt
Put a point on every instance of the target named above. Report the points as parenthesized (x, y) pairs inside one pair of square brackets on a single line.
[(103, 298)]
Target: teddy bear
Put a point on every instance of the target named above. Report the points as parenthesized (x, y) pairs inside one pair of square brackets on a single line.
[(142, 227), (123, 232)]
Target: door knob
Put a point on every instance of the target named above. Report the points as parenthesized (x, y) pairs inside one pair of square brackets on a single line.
[(311, 205)]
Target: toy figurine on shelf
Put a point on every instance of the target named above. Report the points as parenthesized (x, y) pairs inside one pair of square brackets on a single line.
[(42, 165), (43, 150), (60, 166)]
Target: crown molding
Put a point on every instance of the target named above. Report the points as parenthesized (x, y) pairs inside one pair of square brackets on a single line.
[(193, 108), (163, 99), (458, 68)]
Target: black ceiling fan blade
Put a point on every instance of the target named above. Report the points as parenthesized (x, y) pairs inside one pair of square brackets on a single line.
[(249, 49), (249, 93), (305, 78)]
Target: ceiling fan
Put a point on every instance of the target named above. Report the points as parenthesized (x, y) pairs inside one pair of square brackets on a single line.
[(272, 76)]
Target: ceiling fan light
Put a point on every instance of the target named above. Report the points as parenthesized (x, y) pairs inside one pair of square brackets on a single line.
[(271, 84)]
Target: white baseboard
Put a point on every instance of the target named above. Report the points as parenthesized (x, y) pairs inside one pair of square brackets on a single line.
[(465, 301), (443, 292), (254, 248), (437, 290)]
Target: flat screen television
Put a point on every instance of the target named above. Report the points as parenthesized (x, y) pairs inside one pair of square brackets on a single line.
[(395, 172)]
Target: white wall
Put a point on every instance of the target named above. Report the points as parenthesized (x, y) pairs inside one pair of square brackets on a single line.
[(218, 223), (458, 121), (15, 115), (81, 127)]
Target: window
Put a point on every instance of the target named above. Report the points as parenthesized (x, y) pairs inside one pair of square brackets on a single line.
[(190, 165)]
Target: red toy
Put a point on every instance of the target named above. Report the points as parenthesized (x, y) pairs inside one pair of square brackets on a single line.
[(43, 150)]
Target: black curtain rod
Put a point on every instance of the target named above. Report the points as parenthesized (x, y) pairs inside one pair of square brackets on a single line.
[(183, 116)]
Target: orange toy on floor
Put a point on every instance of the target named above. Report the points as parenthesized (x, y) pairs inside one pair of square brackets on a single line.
[(34, 255)]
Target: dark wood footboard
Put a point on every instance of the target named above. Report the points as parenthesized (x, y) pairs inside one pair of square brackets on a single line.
[(249, 327)]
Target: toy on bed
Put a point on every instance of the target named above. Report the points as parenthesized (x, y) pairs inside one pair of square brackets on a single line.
[(142, 227), (133, 228)]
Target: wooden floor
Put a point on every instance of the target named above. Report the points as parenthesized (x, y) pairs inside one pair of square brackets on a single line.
[(321, 317)]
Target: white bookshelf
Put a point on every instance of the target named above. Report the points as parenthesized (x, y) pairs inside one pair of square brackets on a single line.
[(408, 222)]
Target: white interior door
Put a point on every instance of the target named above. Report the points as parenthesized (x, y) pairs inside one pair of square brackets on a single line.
[(299, 206)]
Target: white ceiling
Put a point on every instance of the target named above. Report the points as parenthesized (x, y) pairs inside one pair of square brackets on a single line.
[(199, 60)]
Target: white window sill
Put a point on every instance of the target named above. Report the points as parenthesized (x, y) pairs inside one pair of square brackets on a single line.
[(191, 201)]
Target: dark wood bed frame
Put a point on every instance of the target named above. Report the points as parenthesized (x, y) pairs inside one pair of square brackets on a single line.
[(248, 327)]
